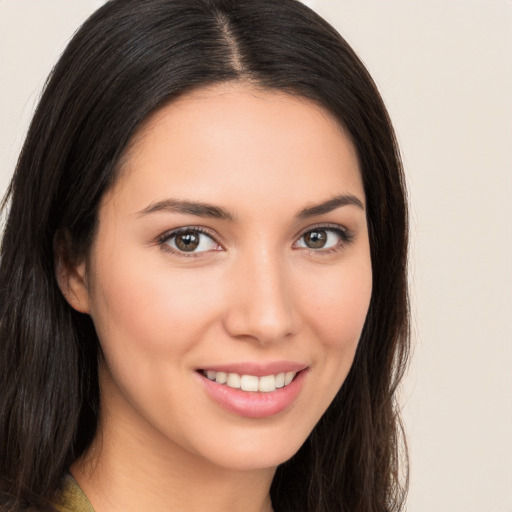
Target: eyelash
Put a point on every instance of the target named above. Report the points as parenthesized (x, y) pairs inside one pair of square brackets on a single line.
[(163, 240), (345, 236)]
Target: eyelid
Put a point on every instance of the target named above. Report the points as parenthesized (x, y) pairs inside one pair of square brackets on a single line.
[(346, 236), (164, 238), (326, 226)]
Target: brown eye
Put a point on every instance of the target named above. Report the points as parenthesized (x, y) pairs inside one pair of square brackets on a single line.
[(315, 239), (190, 241), (323, 238), (187, 241)]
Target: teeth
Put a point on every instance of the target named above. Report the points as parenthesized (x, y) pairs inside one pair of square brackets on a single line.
[(233, 380), (249, 383), (288, 377), (221, 377), (265, 384)]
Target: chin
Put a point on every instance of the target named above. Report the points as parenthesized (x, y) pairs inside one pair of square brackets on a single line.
[(252, 450)]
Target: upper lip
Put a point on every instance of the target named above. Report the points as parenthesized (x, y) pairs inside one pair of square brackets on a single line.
[(257, 369)]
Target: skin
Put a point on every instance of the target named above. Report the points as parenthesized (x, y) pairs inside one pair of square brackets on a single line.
[(256, 293)]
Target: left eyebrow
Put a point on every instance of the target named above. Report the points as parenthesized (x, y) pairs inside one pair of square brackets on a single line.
[(330, 205)]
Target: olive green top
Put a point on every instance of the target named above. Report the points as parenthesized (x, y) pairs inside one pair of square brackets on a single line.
[(71, 498)]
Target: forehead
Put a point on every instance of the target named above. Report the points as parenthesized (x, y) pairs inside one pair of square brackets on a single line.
[(235, 141)]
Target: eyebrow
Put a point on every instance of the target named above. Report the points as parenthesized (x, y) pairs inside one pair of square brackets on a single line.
[(330, 205), (188, 207), (216, 212)]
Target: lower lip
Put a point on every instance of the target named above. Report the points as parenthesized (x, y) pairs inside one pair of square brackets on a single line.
[(253, 404)]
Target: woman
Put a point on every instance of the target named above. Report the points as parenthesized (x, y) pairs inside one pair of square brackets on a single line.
[(203, 273)]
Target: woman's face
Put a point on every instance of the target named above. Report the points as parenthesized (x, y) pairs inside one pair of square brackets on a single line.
[(234, 245)]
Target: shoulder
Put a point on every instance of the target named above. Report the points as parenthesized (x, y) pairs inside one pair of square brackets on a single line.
[(71, 498)]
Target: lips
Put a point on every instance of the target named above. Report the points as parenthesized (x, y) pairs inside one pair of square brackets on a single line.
[(254, 391)]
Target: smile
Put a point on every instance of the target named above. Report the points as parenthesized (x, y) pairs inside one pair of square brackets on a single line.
[(252, 390), (263, 384)]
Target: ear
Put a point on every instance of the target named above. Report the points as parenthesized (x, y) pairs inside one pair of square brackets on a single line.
[(71, 273)]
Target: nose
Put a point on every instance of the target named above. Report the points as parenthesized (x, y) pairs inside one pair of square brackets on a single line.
[(261, 302)]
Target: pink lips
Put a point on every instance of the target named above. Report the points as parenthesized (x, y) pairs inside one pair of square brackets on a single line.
[(258, 369), (255, 404)]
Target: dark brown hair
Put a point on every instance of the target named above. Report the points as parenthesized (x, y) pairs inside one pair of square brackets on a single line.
[(128, 60)]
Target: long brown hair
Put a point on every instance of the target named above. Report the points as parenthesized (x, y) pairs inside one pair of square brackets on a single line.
[(128, 60)]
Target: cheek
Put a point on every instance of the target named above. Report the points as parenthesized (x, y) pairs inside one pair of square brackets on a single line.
[(338, 304), (151, 321), (150, 310)]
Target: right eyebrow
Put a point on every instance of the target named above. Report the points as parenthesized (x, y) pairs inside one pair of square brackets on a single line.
[(187, 207)]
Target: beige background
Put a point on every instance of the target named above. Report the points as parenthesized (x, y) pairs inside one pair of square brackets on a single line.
[(445, 70)]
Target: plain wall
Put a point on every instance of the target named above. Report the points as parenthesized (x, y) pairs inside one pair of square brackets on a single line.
[(445, 71)]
